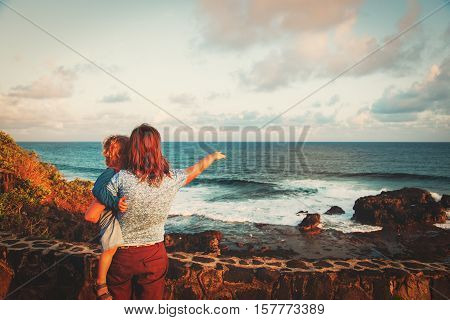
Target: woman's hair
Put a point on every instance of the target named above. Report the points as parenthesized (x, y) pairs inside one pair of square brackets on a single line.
[(115, 151), (145, 158)]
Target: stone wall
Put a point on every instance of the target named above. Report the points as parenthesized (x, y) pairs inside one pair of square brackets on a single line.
[(71, 267), (200, 277)]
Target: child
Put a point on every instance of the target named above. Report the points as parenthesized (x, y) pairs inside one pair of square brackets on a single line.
[(105, 207)]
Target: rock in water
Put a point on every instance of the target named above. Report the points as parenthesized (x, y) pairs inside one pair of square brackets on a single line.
[(310, 223), (301, 212), (335, 210), (406, 206), (445, 201)]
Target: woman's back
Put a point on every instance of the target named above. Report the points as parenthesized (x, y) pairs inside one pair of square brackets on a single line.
[(148, 206)]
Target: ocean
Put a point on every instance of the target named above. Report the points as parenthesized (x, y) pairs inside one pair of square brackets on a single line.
[(269, 183)]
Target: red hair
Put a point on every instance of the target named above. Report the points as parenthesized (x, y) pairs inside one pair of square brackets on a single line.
[(115, 151), (145, 158)]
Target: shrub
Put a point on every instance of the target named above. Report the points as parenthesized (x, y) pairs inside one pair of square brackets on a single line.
[(38, 200)]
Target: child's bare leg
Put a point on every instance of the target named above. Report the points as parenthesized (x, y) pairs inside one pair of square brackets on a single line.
[(103, 266)]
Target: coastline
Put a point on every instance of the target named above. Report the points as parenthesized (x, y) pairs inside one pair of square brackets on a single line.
[(261, 190), (42, 230)]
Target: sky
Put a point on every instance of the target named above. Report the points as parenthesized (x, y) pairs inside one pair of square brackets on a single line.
[(219, 64)]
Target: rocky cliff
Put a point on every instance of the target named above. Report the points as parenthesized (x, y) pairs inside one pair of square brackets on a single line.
[(407, 206)]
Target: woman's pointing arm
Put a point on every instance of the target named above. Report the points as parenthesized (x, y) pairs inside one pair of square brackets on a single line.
[(195, 170)]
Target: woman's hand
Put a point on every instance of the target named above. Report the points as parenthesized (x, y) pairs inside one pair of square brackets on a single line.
[(199, 167), (218, 155), (123, 206)]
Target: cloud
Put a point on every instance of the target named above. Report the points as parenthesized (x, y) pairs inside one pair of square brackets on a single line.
[(313, 118), (217, 95), (115, 98), (254, 118), (59, 84), (362, 118), (397, 57), (277, 70), (239, 24), (42, 120), (333, 100), (432, 94), (404, 117), (310, 41), (183, 99), (19, 114)]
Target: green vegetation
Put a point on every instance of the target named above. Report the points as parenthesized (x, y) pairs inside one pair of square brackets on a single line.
[(36, 200)]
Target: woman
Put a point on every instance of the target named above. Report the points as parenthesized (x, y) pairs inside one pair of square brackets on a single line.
[(140, 265)]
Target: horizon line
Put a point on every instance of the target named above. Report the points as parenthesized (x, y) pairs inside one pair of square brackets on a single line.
[(318, 141)]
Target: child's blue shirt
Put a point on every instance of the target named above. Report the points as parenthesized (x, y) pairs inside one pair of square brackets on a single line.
[(101, 192)]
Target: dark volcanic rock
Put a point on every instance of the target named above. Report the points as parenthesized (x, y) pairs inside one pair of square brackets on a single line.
[(301, 212), (335, 210), (310, 222), (445, 201), (71, 278), (207, 241), (238, 275), (406, 206)]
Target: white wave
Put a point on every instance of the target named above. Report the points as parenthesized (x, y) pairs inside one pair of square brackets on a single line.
[(436, 196), (282, 211), (445, 225)]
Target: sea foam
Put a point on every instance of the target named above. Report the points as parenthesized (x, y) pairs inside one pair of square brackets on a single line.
[(282, 210)]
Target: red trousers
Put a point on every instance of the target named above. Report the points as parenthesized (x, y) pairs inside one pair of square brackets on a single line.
[(138, 273)]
